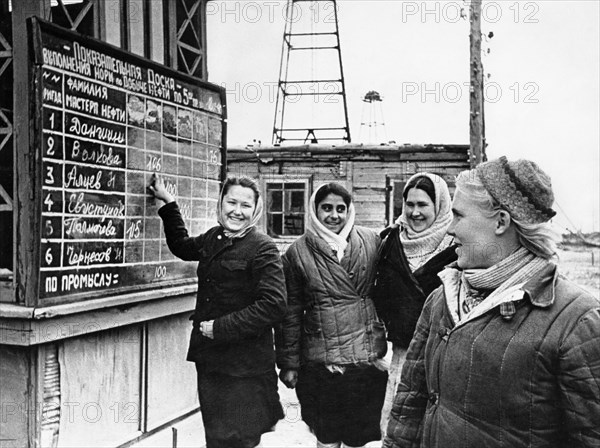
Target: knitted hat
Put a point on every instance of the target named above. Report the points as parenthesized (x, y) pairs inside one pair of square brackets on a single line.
[(520, 187)]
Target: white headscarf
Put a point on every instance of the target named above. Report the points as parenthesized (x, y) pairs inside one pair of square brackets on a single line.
[(258, 210), (337, 241), (419, 247)]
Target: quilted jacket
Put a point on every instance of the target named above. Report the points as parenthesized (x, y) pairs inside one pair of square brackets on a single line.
[(527, 380), (331, 317), (240, 286)]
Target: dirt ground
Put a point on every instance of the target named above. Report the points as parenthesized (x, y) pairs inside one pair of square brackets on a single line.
[(581, 265)]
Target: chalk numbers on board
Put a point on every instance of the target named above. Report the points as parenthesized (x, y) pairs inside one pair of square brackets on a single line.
[(160, 272), (134, 230), (51, 254), (48, 228), (50, 146), (154, 163), (49, 179), (48, 201), (214, 156)]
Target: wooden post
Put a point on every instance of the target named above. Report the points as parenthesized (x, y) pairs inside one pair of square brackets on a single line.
[(476, 121)]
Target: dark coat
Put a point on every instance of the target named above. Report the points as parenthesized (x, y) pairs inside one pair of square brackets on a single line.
[(241, 286), (527, 381), (331, 317), (399, 293)]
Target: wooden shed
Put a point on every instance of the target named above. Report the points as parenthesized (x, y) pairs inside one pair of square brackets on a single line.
[(374, 174)]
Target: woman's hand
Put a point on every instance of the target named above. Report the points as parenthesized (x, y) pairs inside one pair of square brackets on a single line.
[(206, 329), (158, 189), (289, 377)]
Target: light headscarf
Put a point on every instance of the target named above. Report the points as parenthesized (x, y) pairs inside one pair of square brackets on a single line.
[(258, 210), (419, 247), (337, 241)]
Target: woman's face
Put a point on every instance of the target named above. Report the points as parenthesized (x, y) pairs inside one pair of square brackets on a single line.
[(332, 212), (419, 210), (237, 208)]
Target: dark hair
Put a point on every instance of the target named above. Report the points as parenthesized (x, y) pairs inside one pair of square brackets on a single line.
[(422, 183), (242, 182), (331, 188)]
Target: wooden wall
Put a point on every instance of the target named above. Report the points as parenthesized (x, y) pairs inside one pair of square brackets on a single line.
[(370, 178)]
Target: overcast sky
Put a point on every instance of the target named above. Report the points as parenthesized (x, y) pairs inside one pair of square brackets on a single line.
[(542, 72)]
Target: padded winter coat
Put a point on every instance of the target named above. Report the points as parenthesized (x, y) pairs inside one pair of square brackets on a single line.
[(241, 286), (530, 379), (399, 293), (331, 317)]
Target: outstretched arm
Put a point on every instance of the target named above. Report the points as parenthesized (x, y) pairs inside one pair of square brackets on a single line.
[(178, 240)]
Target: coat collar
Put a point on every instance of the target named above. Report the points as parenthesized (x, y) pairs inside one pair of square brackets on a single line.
[(541, 289), (318, 244)]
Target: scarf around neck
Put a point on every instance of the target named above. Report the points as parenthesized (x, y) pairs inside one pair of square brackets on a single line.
[(243, 231), (419, 247), (479, 286), (337, 241)]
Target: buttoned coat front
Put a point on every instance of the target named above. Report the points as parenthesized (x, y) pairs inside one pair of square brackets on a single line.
[(241, 287), (531, 379)]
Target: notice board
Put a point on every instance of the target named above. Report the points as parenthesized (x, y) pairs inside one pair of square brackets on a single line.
[(105, 120)]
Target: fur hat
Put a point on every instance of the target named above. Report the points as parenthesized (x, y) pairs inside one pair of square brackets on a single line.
[(521, 188)]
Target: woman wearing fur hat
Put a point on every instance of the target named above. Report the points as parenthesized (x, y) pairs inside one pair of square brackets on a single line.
[(507, 352), (414, 250), (330, 342)]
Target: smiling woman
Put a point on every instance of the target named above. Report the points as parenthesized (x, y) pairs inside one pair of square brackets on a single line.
[(330, 342), (241, 295), (414, 250)]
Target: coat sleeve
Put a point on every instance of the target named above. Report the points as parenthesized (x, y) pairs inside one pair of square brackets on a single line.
[(180, 243), (405, 427), (269, 305), (288, 333), (579, 379), (381, 290)]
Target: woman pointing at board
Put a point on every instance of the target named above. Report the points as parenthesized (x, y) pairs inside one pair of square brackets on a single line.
[(241, 294)]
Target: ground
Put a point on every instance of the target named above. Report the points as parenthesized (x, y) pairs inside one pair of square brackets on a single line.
[(291, 432), (582, 265)]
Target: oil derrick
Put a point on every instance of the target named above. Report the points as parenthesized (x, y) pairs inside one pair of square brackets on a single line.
[(311, 96), (372, 120)]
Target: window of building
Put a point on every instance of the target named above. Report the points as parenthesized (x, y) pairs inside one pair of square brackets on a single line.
[(286, 208)]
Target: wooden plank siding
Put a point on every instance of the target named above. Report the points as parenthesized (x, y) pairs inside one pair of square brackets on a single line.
[(365, 170)]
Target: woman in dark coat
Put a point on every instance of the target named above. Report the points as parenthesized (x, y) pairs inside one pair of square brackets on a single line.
[(330, 343), (241, 294), (414, 250)]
